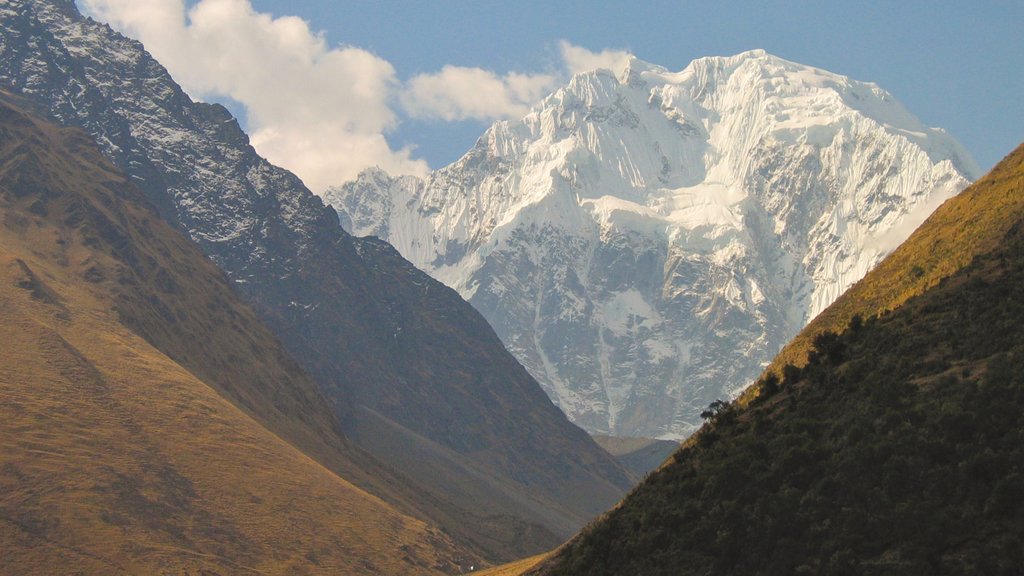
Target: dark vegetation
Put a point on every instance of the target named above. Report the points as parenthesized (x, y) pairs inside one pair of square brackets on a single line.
[(897, 449)]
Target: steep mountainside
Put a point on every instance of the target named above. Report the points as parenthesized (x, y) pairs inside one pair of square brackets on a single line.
[(644, 243), (397, 353), (896, 449), (149, 423)]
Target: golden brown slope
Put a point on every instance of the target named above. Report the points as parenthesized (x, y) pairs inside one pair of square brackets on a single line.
[(515, 568), (115, 457)]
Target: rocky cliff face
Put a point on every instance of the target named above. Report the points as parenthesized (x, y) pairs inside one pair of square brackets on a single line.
[(378, 335), (645, 242)]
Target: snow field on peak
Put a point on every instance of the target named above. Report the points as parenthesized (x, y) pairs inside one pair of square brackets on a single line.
[(645, 243)]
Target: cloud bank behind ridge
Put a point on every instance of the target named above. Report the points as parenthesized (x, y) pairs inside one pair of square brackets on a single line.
[(323, 111)]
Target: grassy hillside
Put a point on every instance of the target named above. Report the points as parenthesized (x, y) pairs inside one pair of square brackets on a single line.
[(898, 447), (148, 423), (514, 568)]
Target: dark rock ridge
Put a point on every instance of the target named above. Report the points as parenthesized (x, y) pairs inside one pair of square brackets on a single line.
[(375, 333)]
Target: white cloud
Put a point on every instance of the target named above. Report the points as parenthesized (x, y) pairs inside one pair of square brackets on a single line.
[(319, 111), (578, 59), (458, 93)]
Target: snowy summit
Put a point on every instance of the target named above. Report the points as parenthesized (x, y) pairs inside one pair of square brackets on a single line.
[(644, 242)]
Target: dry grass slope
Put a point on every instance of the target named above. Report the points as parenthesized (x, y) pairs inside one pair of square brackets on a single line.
[(515, 568), (142, 408)]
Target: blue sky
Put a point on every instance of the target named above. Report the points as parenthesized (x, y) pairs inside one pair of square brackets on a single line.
[(956, 65)]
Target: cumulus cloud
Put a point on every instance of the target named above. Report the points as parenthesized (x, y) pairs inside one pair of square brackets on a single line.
[(318, 110), (321, 112), (578, 59), (458, 93)]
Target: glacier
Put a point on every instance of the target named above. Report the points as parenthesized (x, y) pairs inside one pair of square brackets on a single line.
[(645, 241)]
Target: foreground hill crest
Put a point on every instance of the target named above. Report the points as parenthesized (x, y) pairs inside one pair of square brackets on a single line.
[(645, 242)]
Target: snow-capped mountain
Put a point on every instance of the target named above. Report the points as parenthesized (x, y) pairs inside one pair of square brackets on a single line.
[(644, 242)]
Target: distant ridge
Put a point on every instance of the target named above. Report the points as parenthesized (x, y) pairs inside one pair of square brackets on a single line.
[(639, 455)]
